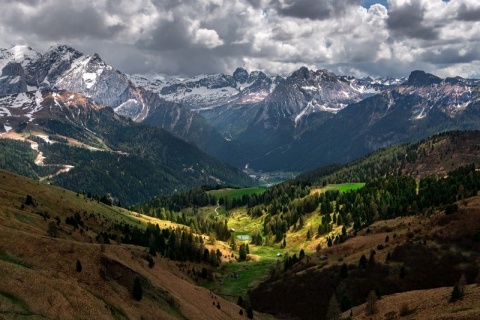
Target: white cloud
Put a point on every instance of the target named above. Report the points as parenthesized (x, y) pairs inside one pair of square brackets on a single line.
[(208, 38), (204, 36)]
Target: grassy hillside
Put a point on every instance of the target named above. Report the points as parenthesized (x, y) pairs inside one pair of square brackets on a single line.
[(433, 156), (40, 255)]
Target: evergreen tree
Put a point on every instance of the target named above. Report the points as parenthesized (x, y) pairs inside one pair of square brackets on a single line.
[(242, 252), (456, 293), (250, 312), (240, 301), (79, 266), (362, 263), (333, 311), (371, 306), (137, 289)]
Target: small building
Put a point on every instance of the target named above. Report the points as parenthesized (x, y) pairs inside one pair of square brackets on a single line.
[(232, 230), (279, 254)]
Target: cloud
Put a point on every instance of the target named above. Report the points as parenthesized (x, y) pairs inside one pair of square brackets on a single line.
[(407, 19), (189, 37), (313, 9), (208, 38), (54, 21), (469, 12)]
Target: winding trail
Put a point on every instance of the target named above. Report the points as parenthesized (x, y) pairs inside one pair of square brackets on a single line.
[(39, 161)]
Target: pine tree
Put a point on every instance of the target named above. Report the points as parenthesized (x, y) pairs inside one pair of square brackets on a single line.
[(333, 311), (371, 306), (362, 263), (242, 252), (137, 289), (79, 266), (456, 293), (240, 301), (250, 312)]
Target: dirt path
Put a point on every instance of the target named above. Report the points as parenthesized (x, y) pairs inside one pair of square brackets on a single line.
[(39, 161)]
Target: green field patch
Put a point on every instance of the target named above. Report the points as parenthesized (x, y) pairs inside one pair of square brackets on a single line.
[(344, 187), (235, 193), (238, 277), (266, 252)]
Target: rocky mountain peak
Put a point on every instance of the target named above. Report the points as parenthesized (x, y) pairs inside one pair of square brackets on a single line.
[(302, 73), (12, 79), (421, 78), (240, 75)]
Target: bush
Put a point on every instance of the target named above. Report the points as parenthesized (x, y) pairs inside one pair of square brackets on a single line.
[(405, 310), (451, 208)]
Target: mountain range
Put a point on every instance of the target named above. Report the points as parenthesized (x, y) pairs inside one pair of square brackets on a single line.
[(74, 142), (249, 119)]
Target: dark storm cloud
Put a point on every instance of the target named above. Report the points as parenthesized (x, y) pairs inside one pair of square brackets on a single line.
[(27, 2), (313, 9), (452, 55), (167, 35), (190, 37), (468, 14), (57, 22), (255, 3), (408, 21)]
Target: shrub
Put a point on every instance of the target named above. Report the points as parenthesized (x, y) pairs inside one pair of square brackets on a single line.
[(405, 310), (451, 208)]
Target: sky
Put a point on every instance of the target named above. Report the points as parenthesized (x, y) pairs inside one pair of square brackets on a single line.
[(191, 37)]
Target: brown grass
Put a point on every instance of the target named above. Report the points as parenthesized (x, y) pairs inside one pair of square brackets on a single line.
[(38, 279), (425, 304)]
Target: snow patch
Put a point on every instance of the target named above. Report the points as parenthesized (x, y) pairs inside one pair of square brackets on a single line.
[(89, 79), (4, 112), (20, 100), (45, 138), (421, 115), (304, 111)]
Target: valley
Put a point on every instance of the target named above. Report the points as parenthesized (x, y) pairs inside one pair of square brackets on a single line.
[(284, 250)]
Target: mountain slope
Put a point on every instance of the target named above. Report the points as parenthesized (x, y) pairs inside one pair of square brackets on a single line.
[(410, 112), (435, 155), (106, 153), (308, 119), (63, 67), (40, 253)]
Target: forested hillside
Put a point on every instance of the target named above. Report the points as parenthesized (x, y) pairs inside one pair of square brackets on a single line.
[(105, 154), (433, 156)]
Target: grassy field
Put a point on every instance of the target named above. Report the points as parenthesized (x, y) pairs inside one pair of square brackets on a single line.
[(343, 187), (235, 193)]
